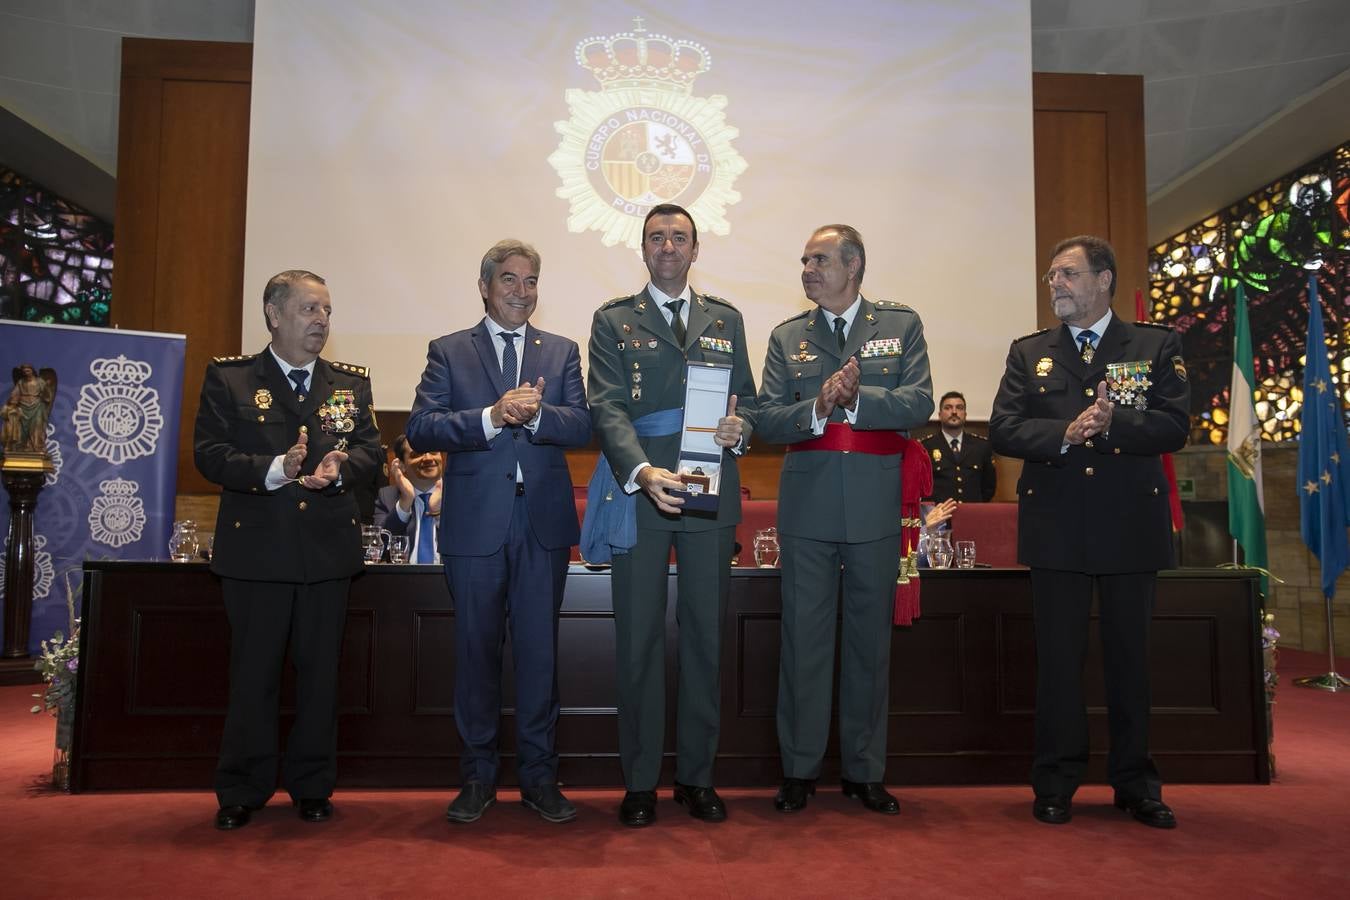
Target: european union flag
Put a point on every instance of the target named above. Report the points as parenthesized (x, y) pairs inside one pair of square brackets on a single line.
[(1323, 458)]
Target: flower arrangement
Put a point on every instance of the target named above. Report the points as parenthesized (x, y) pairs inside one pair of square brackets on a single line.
[(59, 663)]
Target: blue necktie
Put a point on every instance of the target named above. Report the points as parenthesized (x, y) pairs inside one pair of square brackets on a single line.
[(426, 532), (508, 360), (298, 377), (1085, 349)]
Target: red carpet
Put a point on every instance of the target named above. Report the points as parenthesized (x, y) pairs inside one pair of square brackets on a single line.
[(1285, 839)]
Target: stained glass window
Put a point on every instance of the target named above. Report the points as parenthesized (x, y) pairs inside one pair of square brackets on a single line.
[(1272, 241), (55, 258)]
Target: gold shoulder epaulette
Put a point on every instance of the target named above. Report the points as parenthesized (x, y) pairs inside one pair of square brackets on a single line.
[(1163, 325), (889, 304), (350, 369), (803, 314), (616, 301), (1032, 335), (233, 360), (718, 300)]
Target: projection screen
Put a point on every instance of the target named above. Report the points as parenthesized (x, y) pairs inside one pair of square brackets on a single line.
[(392, 143)]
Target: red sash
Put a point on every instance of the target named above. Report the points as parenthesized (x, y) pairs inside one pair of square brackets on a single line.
[(840, 436), (916, 481)]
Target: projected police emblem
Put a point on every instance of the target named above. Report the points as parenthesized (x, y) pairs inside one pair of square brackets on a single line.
[(644, 139)]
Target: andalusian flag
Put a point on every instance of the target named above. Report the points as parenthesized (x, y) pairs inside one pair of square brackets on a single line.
[(1246, 500)]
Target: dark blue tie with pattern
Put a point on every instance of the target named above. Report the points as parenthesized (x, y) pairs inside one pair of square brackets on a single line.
[(508, 360)]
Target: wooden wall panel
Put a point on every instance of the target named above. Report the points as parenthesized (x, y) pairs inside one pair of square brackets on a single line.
[(1089, 164), (182, 178)]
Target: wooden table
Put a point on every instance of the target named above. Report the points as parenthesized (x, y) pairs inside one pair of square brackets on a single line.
[(155, 649)]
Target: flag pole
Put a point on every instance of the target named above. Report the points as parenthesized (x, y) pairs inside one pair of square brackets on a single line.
[(1324, 459), (1330, 680)]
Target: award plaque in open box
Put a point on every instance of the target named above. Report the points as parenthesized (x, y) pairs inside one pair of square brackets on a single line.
[(707, 389)]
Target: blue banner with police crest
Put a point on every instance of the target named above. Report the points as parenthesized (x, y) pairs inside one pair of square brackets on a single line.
[(112, 437)]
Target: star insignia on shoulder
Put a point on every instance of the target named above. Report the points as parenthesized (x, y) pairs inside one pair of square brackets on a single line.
[(350, 369)]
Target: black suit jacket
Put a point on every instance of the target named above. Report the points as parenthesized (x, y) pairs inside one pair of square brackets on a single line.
[(965, 476), (1100, 507), (249, 415)]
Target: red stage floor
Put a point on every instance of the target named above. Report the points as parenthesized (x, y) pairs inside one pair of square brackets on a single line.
[(1285, 839)]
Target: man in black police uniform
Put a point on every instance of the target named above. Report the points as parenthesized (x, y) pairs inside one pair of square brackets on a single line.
[(963, 462), (286, 434), (1090, 406)]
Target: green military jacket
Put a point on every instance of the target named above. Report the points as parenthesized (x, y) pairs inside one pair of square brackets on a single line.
[(636, 368), (829, 495)]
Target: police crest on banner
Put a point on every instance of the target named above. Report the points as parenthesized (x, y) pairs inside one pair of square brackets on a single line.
[(109, 492)]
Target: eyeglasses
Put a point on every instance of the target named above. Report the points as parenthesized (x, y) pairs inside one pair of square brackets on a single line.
[(1069, 274)]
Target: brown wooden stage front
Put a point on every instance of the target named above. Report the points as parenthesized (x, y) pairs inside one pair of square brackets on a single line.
[(155, 649)]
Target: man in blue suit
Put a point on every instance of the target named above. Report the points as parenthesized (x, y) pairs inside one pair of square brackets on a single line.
[(410, 504), (504, 399)]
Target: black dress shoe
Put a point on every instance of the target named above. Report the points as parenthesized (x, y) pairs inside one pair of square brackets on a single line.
[(873, 795), (549, 802), (1052, 810), (638, 808), (231, 817), (318, 809), (791, 797), (474, 798), (1153, 813), (703, 802)]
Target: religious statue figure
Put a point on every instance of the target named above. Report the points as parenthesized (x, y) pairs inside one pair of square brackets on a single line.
[(27, 410)]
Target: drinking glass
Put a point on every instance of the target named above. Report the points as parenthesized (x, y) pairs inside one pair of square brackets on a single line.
[(398, 548), (766, 548), (965, 554), (940, 551)]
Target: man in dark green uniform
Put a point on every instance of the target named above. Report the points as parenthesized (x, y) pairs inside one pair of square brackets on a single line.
[(636, 384), (839, 383), (1090, 406), (286, 435)]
